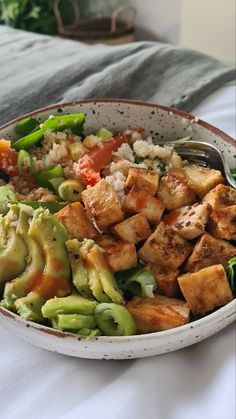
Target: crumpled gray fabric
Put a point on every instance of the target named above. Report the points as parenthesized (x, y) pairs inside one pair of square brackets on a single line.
[(37, 70)]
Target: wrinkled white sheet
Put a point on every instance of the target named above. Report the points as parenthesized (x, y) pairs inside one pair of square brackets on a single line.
[(193, 383)]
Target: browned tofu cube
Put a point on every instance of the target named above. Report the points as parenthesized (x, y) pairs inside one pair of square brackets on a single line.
[(159, 313), (174, 192), (77, 222), (206, 289), (223, 223), (202, 179), (165, 247), (144, 179), (189, 221), (209, 251), (140, 201), (120, 255), (166, 279), (102, 204), (133, 230), (220, 197)]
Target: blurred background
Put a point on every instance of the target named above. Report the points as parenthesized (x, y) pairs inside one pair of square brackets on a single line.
[(207, 26)]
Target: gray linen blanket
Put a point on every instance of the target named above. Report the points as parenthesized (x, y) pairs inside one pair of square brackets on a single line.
[(38, 70)]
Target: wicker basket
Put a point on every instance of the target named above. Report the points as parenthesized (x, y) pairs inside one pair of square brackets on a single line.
[(108, 30)]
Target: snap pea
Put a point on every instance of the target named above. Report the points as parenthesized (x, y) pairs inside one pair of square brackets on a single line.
[(50, 178), (70, 190), (26, 126), (25, 163), (56, 123)]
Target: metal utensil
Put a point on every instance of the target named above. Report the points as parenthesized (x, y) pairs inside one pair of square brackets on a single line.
[(203, 154)]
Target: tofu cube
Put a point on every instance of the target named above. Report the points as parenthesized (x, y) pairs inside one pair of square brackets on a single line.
[(159, 313), (166, 279), (120, 255), (102, 204), (223, 223), (174, 192), (202, 179), (206, 289), (77, 222), (140, 201), (144, 179), (209, 251), (189, 221), (220, 197), (165, 247), (133, 230)]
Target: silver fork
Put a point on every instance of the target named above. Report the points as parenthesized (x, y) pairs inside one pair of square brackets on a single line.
[(203, 154)]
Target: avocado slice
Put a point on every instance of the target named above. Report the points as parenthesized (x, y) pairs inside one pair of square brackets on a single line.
[(80, 275), (13, 251), (35, 262), (55, 279)]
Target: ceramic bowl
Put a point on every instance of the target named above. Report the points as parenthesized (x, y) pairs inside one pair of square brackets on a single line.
[(164, 124)]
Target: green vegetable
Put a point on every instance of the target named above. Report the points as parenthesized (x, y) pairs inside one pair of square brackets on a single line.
[(6, 194), (50, 178), (104, 134), (51, 206), (25, 163), (26, 126), (35, 262), (73, 304), (141, 283), (114, 320), (233, 172), (231, 272), (70, 190), (29, 141), (73, 322), (90, 272), (57, 123)]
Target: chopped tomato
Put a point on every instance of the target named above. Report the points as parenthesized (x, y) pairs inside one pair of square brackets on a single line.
[(8, 158), (92, 162)]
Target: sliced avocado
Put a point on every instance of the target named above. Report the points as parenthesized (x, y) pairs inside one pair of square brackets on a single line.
[(29, 307), (80, 274), (13, 251), (35, 262), (51, 237)]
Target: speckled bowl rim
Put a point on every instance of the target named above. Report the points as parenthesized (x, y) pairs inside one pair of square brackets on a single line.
[(229, 308)]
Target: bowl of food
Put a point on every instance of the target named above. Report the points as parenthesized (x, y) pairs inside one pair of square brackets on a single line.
[(112, 245)]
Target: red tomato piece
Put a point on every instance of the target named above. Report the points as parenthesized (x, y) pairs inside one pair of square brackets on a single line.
[(92, 162)]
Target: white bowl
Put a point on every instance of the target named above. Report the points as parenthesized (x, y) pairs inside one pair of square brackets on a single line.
[(164, 124)]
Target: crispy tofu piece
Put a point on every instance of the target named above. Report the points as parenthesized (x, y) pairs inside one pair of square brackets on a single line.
[(133, 230), (165, 247), (140, 201), (102, 204), (77, 222), (206, 289), (189, 221), (202, 179), (223, 223), (209, 251), (120, 255), (174, 192), (144, 179), (220, 197), (166, 279), (159, 313)]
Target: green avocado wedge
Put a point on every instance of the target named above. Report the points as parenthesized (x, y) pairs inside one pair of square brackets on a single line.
[(35, 262), (13, 251), (55, 280)]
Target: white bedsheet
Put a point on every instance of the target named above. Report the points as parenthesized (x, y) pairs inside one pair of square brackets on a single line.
[(193, 383)]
